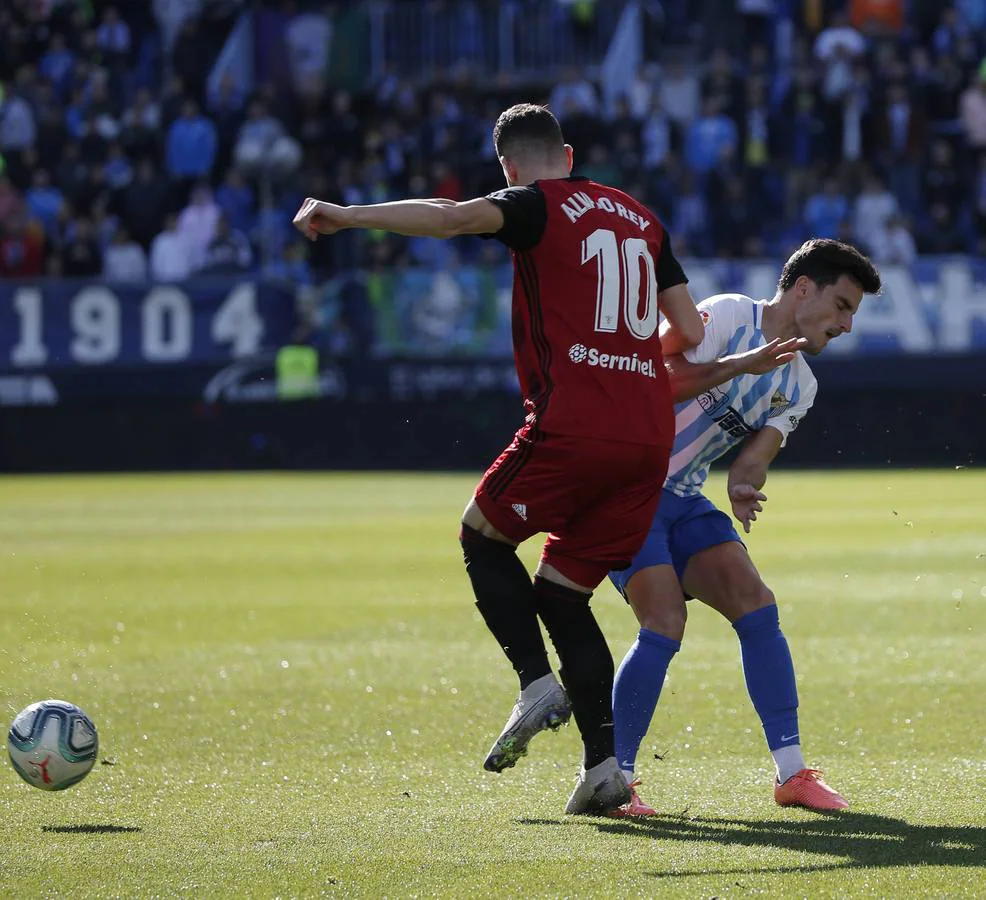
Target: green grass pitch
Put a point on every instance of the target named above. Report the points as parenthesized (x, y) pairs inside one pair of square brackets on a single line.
[(295, 694)]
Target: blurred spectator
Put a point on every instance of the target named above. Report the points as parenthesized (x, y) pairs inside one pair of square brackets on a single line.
[(308, 36), (113, 36), (191, 148), (708, 136), (236, 202), (17, 126), (291, 265), (680, 95), (263, 143), (877, 16), (894, 245), (146, 202), (973, 110), (655, 137), (193, 56), (21, 247), (57, 64), (874, 208), (640, 93), (81, 257), (722, 80), (170, 256), (50, 137), (574, 93), (825, 210), (979, 193), (941, 182), (124, 259), (691, 217), (141, 123), (118, 171), (229, 251), (840, 36), (197, 223), (941, 232), (600, 167), (45, 202), (72, 174), (736, 220)]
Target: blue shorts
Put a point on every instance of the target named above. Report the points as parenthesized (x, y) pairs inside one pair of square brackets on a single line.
[(682, 527)]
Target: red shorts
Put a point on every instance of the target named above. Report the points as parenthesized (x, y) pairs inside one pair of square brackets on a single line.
[(595, 499)]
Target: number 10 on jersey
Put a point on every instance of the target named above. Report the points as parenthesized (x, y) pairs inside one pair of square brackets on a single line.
[(619, 282)]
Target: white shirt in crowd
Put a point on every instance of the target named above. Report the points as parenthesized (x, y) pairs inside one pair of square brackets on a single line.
[(170, 259), (125, 262)]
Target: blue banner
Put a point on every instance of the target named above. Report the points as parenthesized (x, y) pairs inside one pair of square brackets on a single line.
[(48, 326), (936, 306)]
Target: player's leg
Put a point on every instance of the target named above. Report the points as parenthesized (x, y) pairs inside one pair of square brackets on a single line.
[(504, 594), (493, 523), (724, 577), (562, 596), (650, 586), (605, 533)]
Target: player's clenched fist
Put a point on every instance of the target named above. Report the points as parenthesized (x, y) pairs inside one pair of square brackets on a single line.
[(317, 217)]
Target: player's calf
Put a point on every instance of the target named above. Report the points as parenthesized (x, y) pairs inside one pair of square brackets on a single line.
[(505, 599), (587, 664)]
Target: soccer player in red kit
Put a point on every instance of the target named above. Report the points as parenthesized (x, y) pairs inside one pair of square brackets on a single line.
[(592, 269)]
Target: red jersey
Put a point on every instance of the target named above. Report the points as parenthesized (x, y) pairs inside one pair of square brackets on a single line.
[(589, 264)]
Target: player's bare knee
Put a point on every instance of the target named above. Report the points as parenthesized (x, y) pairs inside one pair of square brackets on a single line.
[(657, 602), (661, 614), (668, 621), (748, 599)]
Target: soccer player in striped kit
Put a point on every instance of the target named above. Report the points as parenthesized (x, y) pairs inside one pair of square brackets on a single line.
[(693, 549)]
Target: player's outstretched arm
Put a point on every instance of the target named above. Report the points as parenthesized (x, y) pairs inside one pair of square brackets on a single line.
[(682, 328), (748, 474), (690, 379), (416, 218)]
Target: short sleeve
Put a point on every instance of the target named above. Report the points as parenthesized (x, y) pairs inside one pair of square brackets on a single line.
[(785, 421), (525, 216), (721, 318), (669, 271)]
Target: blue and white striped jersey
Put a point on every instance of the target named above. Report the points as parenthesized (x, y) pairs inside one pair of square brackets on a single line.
[(708, 425)]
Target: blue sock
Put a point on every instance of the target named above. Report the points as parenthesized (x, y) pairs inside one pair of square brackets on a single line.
[(769, 673), (636, 691)]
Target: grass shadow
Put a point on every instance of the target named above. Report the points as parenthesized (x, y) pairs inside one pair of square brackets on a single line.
[(90, 829), (861, 839)]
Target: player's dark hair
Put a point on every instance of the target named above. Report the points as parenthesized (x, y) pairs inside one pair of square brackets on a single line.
[(825, 261), (527, 127)]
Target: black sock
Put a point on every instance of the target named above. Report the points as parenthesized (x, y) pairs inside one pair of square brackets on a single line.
[(505, 599), (587, 664)]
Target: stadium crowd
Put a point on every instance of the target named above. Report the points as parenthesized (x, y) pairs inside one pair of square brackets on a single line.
[(131, 147)]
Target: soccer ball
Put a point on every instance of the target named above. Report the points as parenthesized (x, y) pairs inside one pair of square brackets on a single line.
[(52, 744)]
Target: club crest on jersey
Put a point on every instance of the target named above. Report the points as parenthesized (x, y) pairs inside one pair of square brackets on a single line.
[(778, 402), (705, 316)]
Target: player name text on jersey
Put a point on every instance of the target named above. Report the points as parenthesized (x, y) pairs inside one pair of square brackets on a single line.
[(580, 203)]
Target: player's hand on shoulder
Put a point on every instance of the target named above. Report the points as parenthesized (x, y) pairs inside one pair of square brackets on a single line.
[(317, 217), (746, 501), (772, 355)]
